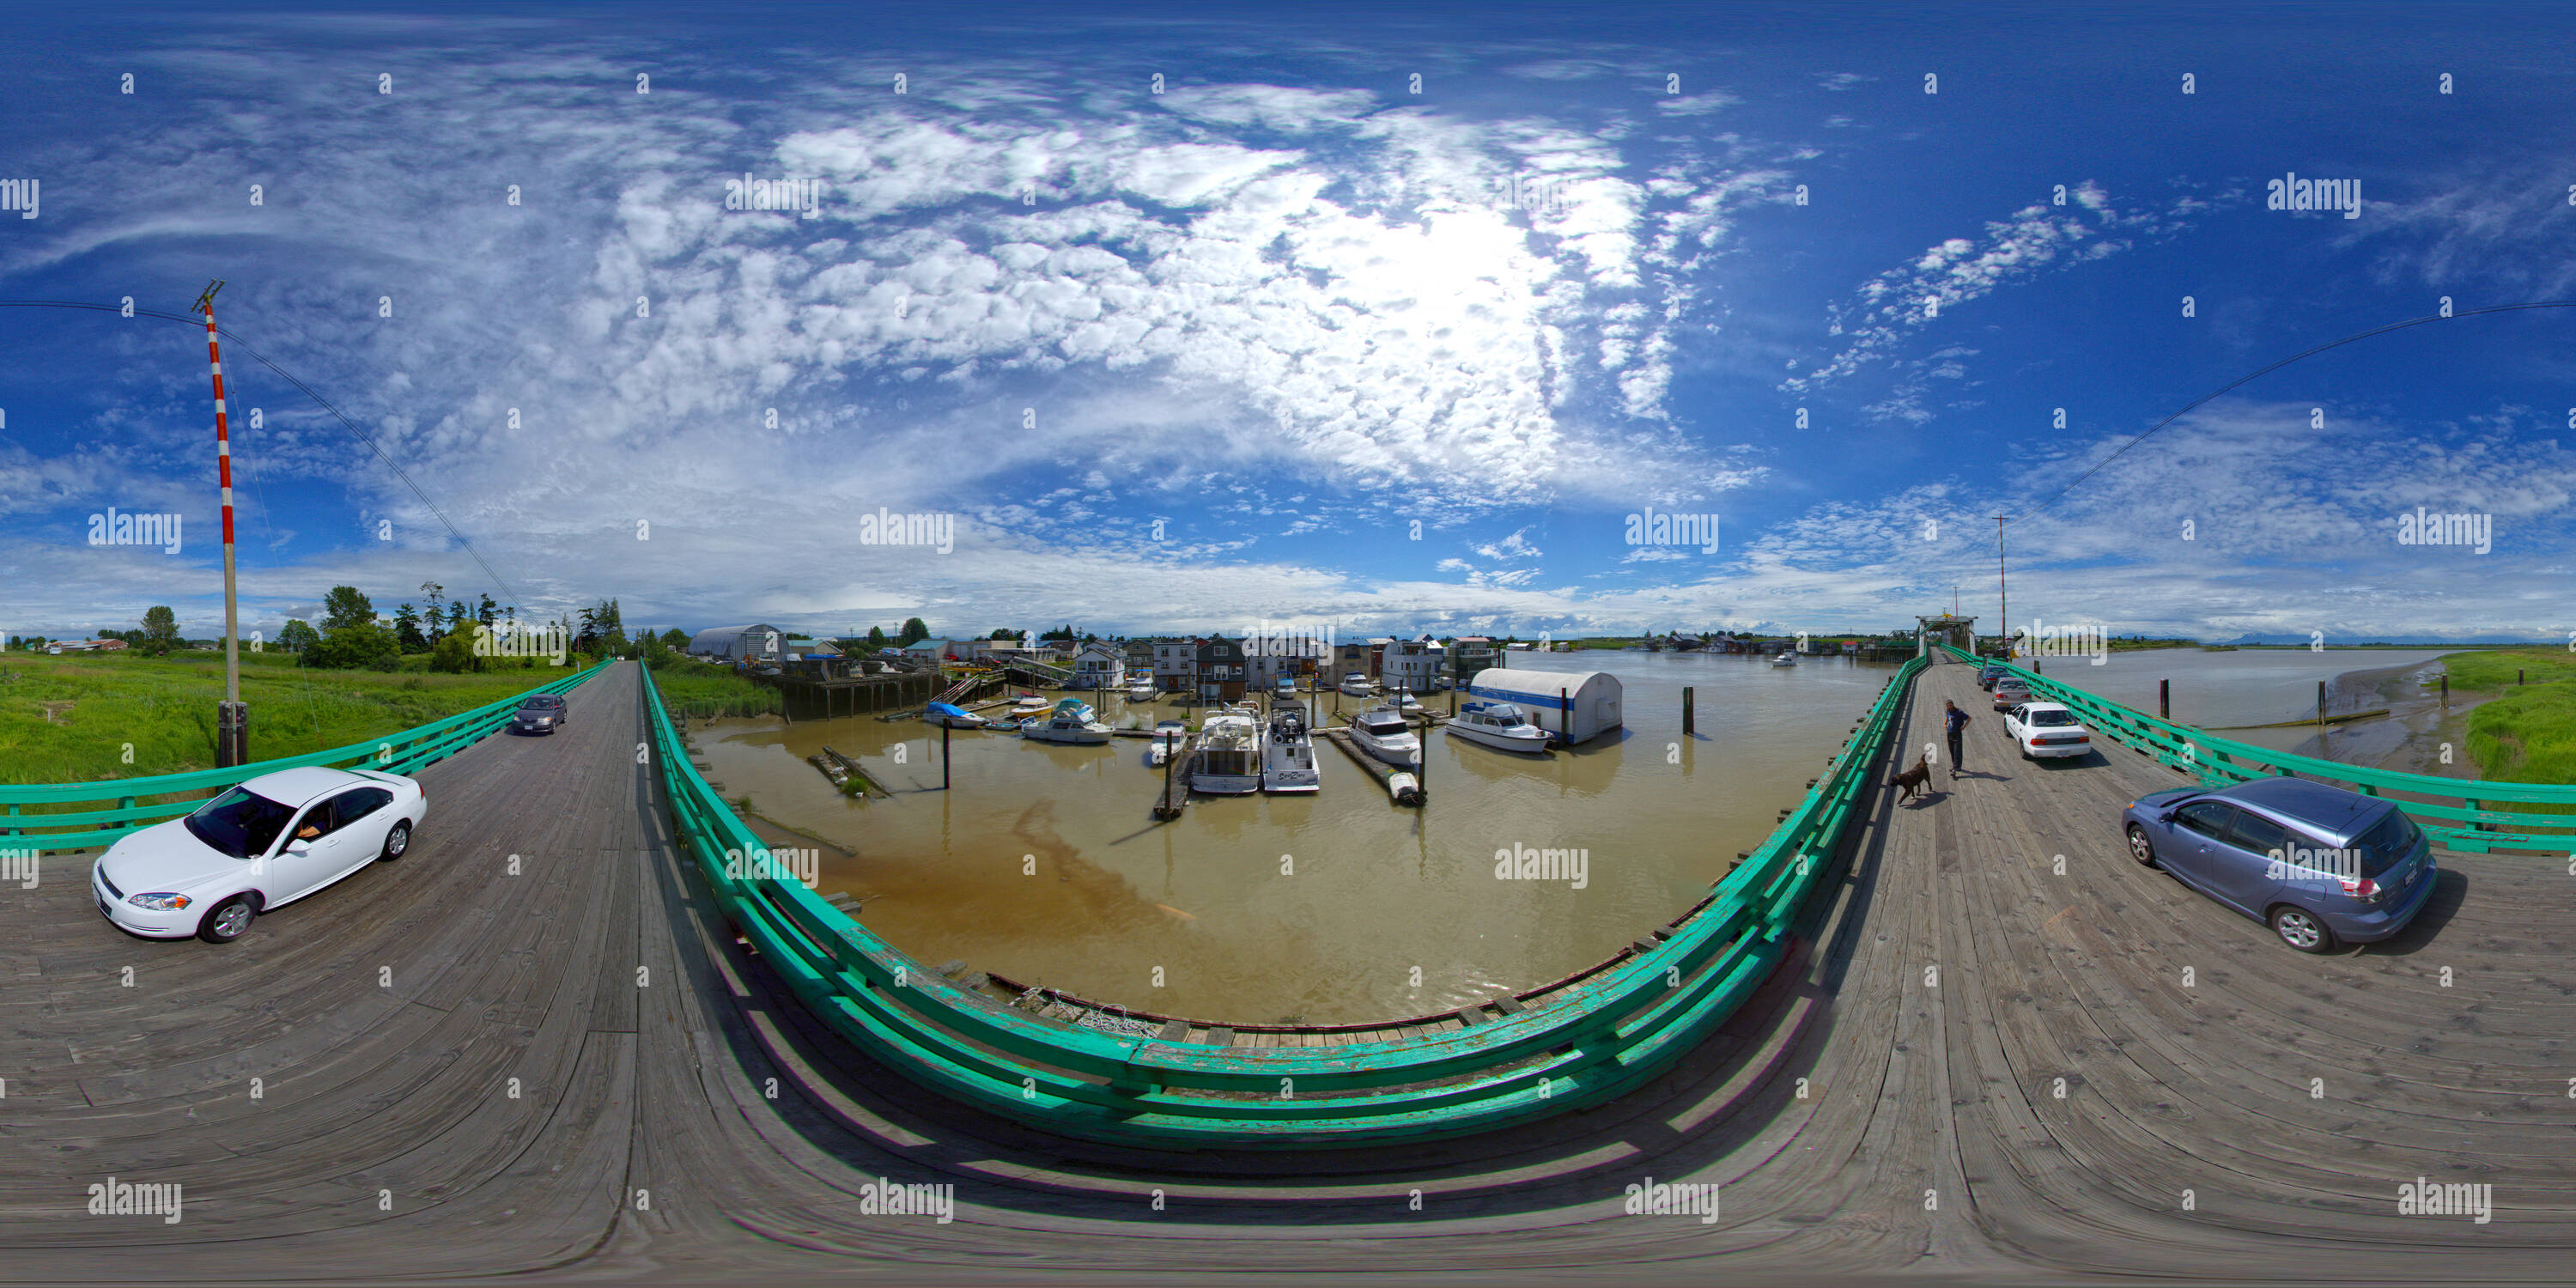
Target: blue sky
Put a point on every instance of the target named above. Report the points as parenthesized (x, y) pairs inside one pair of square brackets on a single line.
[(1299, 344)]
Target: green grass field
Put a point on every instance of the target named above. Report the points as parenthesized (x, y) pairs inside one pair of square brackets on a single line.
[(700, 690), (105, 716), (2526, 733)]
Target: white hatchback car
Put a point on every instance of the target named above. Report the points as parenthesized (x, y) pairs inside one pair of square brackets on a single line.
[(268, 842), (2046, 729)]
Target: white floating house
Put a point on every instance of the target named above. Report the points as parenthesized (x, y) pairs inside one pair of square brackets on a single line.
[(1588, 707)]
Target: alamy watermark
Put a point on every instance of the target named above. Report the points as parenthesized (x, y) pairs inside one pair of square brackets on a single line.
[(19, 195), (18, 864), (2083, 639), (1652, 527), (117, 528), (886, 528), (2420, 1197), (882, 1197), (2424, 528), (1527, 863), (2294, 193), (792, 864), (800, 197), (549, 641), (2299, 863), (1674, 1198), (120, 1198)]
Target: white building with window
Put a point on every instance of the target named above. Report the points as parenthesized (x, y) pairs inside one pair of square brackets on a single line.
[(1100, 665), (1414, 666)]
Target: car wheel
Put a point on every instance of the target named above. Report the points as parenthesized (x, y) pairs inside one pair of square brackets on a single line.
[(226, 921), (2302, 929), (397, 841), (2140, 848)]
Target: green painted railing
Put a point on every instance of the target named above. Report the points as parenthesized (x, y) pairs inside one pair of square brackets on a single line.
[(1601, 1037), (398, 753), (2455, 812)]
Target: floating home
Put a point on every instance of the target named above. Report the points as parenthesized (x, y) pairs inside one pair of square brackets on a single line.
[(1587, 708)]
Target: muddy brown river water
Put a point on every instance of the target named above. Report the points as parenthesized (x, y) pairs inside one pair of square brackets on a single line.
[(1044, 864)]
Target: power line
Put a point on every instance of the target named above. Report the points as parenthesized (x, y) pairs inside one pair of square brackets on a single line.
[(308, 391), (2196, 403)]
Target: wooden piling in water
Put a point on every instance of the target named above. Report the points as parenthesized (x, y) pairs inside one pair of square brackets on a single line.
[(1689, 725)]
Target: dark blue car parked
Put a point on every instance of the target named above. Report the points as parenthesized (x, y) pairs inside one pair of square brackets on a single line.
[(2320, 864)]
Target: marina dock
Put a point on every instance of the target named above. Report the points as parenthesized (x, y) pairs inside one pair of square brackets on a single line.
[(1176, 786)]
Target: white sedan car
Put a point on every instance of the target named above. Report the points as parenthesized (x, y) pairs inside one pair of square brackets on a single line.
[(261, 845), (2046, 729)]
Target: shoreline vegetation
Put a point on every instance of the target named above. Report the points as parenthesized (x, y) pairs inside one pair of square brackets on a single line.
[(97, 717)]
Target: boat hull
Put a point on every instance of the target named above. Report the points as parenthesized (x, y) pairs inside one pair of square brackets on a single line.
[(1069, 737), (1399, 755), (1532, 746)]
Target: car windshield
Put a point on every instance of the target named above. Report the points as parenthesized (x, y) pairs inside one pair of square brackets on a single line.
[(2387, 843), (2052, 717), (539, 704), (240, 823)]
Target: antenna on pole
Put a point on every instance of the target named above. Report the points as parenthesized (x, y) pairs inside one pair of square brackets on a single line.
[(2003, 596), (232, 716)]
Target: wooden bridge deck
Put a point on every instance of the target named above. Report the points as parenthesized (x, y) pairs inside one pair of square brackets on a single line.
[(1911, 1086)]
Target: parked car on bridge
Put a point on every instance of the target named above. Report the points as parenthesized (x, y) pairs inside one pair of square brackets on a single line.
[(2321, 865), (1991, 672), (2047, 729), (259, 846), (543, 713), (2010, 694)]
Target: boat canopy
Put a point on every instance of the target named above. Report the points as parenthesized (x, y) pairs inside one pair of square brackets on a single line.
[(948, 709)]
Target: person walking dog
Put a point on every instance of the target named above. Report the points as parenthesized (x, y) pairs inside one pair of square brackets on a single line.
[(1956, 722)]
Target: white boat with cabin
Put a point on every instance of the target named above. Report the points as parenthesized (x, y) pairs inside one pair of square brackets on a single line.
[(1229, 748), (1784, 659), (1383, 732), (1501, 725), (1357, 684), (1288, 763), (1071, 722)]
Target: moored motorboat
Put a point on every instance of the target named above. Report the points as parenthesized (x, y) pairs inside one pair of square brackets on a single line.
[(1169, 737), (1229, 761), (1500, 725), (1070, 722), (1030, 705), (1288, 754), (1382, 732), (1784, 659), (1356, 684), (953, 716)]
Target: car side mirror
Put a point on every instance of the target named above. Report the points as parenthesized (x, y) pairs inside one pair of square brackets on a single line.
[(299, 846)]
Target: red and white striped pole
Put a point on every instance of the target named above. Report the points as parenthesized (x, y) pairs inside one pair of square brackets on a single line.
[(232, 722)]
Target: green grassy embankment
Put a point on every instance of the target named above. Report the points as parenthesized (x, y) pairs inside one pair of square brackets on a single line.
[(93, 717), (701, 690), (2524, 733)]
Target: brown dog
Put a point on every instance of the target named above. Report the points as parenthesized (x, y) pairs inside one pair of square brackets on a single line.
[(1912, 780)]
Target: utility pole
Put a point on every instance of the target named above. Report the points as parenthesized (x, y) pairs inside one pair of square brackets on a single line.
[(2003, 596), (232, 719)]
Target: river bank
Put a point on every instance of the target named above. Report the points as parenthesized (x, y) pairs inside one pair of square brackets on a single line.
[(2421, 734)]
